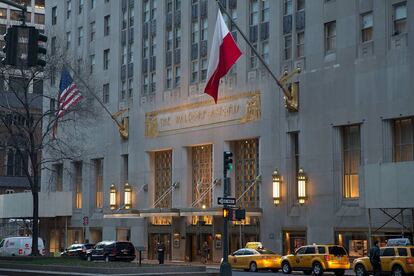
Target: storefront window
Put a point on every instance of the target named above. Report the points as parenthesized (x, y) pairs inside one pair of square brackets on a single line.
[(293, 240), (356, 243)]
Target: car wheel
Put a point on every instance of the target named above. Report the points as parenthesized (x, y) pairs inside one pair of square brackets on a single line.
[(307, 272), (89, 258), (397, 271), (253, 267), (340, 272), (317, 269), (360, 270), (106, 258), (286, 269)]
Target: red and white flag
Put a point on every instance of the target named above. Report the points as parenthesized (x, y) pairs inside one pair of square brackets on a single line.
[(224, 53)]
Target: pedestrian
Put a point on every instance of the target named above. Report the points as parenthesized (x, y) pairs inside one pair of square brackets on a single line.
[(160, 252), (374, 258), (205, 251)]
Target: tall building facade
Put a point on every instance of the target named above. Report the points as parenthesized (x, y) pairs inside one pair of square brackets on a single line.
[(148, 60), (12, 178)]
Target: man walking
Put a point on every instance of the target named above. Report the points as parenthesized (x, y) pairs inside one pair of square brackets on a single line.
[(160, 252), (374, 258)]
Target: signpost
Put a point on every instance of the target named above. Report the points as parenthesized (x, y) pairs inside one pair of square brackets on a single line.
[(226, 201)]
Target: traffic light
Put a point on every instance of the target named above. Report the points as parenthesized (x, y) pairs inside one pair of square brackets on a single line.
[(228, 161), (36, 48), (226, 212), (10, 47)]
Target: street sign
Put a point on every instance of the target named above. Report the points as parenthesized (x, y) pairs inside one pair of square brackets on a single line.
[(226, 201), (85, 221)]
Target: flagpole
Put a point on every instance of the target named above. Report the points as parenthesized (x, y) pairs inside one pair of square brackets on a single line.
[(254, 50), (94, 95)]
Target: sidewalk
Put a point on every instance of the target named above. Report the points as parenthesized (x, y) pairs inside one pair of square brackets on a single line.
[(348, 272)]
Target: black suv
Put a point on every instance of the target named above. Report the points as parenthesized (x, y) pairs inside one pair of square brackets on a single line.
[(77, 249), (112, 251)]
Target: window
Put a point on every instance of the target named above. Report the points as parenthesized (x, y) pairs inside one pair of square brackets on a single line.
[(168, 84), (39, 4), (402, 251), (387, 252), (80, 7), (199, 39), (99, 183), (403, 140), (246, 156), (321, 249), (400, 18), (58, 174), (288, 47), (68, 40), (107, 25), (123, 90), (300, 5), (351, 154), (80, 35), (177, 76), (93, 30), (15, 162), (300, 44), (105, 93), (330, 36), (367, 27), (54, 16), (93, 4), (301, 250), (130, 87), (287, 7), (3, 13), (39, 18), (163, 178), (91, 64), (106, 59), (53, 45), (310, 250), (68, 8), (202, 174)]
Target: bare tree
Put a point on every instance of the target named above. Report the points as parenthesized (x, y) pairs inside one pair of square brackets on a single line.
[(27, 119)]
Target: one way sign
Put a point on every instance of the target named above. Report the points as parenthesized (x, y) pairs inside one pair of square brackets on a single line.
[(226, 201)]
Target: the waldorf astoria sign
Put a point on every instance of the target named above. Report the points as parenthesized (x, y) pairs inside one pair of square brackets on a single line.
[(237, 109)]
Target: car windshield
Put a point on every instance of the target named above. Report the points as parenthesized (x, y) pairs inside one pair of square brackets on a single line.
[(337, 251), (265, 251), (2, 242)]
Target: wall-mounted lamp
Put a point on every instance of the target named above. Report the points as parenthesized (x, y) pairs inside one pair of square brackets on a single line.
[(276, 187), (302, 181), (112, 197), (127, 196)]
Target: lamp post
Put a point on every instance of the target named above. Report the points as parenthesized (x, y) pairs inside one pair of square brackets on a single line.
[(112, 197), (127, 196), (276, 187), (302, 181)]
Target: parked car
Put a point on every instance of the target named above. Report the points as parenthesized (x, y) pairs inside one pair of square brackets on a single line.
[(397, 260), (111, 251), (77, 250), (317, 259), (19, 246), (255, 259)]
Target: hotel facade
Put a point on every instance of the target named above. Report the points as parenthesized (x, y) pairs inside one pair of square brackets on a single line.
[(331, 168)]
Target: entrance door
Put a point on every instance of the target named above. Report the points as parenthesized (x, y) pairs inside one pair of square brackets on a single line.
[(154, 239), (194, 246)]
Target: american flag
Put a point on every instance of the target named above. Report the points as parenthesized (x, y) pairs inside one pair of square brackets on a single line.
[(69, 93)]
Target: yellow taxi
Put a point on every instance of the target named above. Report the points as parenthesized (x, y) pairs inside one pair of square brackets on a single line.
[(317, 259), (397, 260), (255, 259)]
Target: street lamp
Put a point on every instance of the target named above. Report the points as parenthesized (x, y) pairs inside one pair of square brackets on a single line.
[(276, 187), (112, 197), (127, 196), (302, 180)]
